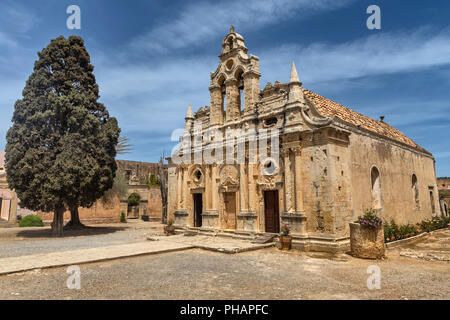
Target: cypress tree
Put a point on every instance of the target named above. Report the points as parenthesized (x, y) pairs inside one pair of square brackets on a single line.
[(61, 147)]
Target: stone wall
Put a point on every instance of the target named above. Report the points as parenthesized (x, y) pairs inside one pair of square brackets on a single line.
[(396, 166), (154, 204), (444, 195), (100, 212), (443, 184)]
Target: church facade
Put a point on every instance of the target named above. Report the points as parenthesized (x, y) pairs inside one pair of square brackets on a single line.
[(255, 160)]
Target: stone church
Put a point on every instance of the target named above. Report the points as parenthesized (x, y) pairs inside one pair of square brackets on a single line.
[(327, 166)]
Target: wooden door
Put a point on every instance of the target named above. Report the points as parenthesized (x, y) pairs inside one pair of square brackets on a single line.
[(198, 208), (229, 199), (271, 213)]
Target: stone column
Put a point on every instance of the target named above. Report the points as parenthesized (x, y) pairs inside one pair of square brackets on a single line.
[(243, 188), (251, 90), (214, 189), (232, 96), (252, 193), (287, 181), (185, 190), (208, 188), (179, 186), (298, 182), (216, 116)]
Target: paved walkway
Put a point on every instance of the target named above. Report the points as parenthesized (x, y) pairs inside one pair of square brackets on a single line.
[(219, 244), (15, 242), (434, 246), (64, 258), (155, 245)]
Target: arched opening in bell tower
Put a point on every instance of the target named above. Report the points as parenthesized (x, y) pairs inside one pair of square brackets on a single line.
[(240, 83), (223, 92)]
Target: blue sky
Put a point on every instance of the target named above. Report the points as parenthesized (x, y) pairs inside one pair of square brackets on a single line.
[(153, 58)]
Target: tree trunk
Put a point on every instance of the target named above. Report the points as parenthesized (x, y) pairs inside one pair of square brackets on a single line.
[(74, 222), (163, 187), (58, 222)]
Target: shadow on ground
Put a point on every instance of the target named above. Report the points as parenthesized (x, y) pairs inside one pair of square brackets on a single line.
[(85, 231)]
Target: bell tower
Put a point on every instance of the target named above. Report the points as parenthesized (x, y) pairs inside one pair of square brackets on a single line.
[(235, 83)]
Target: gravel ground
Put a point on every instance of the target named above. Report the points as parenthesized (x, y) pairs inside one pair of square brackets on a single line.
[(15, 242), (263, 274)]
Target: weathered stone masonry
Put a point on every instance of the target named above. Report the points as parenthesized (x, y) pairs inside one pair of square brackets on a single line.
[(334, 162)]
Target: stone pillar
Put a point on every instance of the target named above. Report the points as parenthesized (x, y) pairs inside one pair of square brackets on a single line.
[(185, 190), (298, 182), (179, 188), (251, 189), (214, 189), (251, 90), (216, 116), (232, 93), (287, 182), (243, 188), (208, 189)]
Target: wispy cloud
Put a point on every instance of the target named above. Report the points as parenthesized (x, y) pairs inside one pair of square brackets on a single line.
[(150, 95), (159, 94), (171, 85), (384, 53), (200, 22), (16, 18)]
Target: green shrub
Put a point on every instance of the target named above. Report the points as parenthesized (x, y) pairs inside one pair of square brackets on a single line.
[(31, 220), (153, 181), (434, 224), (394, 232), (391, 231), (123, 218), (134, 199)]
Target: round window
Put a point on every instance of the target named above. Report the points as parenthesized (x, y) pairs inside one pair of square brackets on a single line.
[(269, 168), (197, 175), (229, 64)]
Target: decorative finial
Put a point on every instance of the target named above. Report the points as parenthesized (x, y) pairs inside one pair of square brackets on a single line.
[(189, 112), (294, 76), (232, 29), (295, 90)]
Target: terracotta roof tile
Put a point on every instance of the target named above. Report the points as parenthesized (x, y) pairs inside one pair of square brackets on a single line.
[(333, 109)]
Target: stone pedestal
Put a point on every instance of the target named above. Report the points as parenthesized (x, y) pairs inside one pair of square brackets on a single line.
[(296, 220), (181, 218), (246, 221), (367, 243), (210, 219)]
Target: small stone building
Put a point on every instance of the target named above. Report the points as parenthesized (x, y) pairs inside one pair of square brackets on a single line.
[(8, 198), (138, 175), (326, 167), (444, 195)]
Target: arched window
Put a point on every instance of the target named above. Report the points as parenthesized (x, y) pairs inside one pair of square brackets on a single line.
[(433, 208), (415, 191), (223, 90), (376, 188), (240, 84)]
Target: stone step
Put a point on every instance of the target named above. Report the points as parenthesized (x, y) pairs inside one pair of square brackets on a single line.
[(266, 238), (5, 224)]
